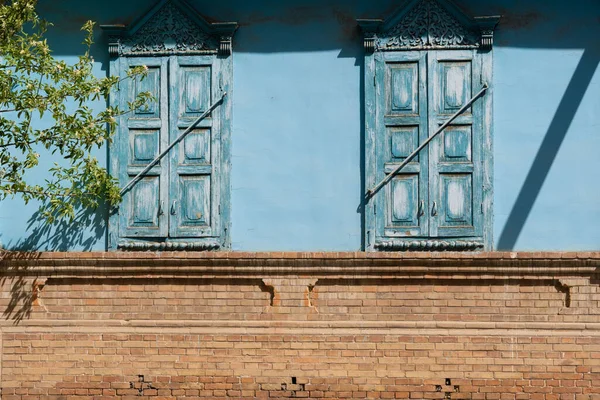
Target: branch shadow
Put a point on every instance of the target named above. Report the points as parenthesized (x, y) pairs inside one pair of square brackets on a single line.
[(549, 148), (23, 290), (59, 236), (64, 235)]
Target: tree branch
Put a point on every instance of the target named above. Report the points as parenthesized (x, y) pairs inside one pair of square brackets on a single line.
[(2, 146)]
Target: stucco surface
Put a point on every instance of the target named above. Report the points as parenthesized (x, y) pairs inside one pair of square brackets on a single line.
[(298, 115)]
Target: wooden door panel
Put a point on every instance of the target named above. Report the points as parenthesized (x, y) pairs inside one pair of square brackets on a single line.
[(195, 201), (196, 96), (401, 127), (144, 145), (455, 81), (456, 211), (194, 163), (457, 144), (149, 83), (142, 136), (455, 155), (196, 148), (403, 141), (403, 202), (145, 204), (402, 80)]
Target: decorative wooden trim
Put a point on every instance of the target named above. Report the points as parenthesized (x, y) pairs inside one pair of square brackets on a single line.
[(225, 46), (138, 245), (113, 33), (369, 28), (487, 26), (172, 27), (429, 245), (428, 25)]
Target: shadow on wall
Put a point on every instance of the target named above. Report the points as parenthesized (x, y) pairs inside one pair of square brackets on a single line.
[(549, 148), (23, 290), (572, 30), (267, 26), (85, 231)]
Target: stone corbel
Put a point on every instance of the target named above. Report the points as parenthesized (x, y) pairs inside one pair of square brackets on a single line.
[(487, 26)]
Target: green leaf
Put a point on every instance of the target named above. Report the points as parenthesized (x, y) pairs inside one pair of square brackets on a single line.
[(32, 80)]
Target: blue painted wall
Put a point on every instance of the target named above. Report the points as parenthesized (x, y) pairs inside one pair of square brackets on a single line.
[(296, 174)]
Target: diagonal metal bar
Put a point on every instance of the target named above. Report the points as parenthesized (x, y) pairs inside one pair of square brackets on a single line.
[(371, 192), (179, 139)]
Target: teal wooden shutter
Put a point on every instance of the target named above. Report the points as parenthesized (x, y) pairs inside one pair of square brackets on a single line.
[(142, 134), (455, 174), (422, 64), (401, 84), (194, 162)]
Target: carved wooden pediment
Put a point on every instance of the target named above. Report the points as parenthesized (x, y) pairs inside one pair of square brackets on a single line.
[(171, 27), (428, 24)]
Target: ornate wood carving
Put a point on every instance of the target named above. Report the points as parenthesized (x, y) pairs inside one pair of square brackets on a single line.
[(172, 27), (429, 245), (486, 26), (428, 24), (370, 43), (168, 31), (138, 245)]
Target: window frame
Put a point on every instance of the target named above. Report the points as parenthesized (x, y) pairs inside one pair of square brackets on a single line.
[(190, 40), (397, 38)]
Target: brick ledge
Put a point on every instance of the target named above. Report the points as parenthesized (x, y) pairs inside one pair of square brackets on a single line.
[(309, 327), (328, 264)]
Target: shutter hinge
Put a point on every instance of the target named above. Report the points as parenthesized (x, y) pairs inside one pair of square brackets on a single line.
[(482, 207), (219, 209)]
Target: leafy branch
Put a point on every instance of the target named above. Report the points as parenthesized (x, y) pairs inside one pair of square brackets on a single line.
[(45, 110)]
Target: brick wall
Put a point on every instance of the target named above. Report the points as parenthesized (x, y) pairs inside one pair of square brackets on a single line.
[(300, 325)]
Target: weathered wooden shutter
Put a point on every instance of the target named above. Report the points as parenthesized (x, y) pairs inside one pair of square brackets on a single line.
[(183, 202), (194, 162), (455, 174), (142, 135), (422, 65), (401, 84)]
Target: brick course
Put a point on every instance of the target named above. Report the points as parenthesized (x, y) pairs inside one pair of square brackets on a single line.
[(300, 325)]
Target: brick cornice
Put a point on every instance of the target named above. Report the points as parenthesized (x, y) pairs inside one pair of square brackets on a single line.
[(331, 264)]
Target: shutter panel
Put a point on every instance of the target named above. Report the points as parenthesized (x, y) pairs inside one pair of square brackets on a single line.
[(195, 161), (402, 125), (142, 134), (455, 166)]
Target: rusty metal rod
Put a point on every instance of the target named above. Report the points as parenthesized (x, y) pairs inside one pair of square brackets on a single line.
[(371, 192), (179, 139)]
